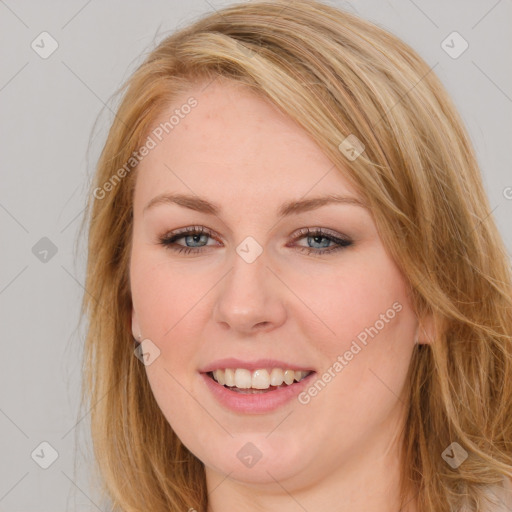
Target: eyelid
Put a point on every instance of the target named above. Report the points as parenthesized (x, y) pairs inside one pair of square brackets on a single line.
[(297, 233), (324, 231), (341, 241), (189, 229)]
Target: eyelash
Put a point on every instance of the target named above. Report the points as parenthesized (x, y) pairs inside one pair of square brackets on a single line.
[(168, 240)]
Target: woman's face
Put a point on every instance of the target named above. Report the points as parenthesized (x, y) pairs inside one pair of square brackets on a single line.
[(255, 292)]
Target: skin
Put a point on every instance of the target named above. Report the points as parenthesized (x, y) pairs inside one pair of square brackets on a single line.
[(340, 450)]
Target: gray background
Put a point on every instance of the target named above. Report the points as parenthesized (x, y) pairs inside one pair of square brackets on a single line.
[(50, 144)]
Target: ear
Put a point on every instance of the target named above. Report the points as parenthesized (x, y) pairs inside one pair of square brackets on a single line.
[(135, 325), (426, 332)]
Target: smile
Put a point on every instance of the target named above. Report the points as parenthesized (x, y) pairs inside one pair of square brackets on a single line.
[(257, 381)]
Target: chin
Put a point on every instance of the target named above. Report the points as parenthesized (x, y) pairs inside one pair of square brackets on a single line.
[(256, 458)]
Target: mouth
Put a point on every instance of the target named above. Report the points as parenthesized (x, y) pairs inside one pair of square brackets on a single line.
[(264, 380)]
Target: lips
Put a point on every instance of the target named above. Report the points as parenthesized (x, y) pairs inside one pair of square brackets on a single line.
[(254, 401), (256, 394)]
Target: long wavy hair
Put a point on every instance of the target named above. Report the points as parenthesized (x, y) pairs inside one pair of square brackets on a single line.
[(336, 75)]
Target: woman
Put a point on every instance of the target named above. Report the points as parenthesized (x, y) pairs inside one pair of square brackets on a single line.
[(289, 219)]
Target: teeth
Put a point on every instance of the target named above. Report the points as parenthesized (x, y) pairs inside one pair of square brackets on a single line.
[(229, 377), (218, 375), (259, 379), (289, 376), (276, 377), (242, 378)]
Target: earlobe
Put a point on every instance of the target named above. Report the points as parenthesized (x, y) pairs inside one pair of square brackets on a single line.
[(135, 325)]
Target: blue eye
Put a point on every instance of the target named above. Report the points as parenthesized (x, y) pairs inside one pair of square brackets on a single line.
[(192, 235), (317, 234), (199, 235)]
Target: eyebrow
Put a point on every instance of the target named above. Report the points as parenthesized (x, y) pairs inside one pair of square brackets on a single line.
[(291, 207)]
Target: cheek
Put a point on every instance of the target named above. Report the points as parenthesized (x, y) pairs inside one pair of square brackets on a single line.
[(167, 306), (166, 302), (366, 348), (374, 324), (350, 299)]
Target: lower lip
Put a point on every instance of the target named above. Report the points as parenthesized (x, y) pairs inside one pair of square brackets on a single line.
[(255, 403)]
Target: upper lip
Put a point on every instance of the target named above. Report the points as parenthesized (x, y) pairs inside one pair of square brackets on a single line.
[(258, 364)]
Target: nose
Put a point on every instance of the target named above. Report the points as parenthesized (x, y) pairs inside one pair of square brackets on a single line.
[(250, 298)]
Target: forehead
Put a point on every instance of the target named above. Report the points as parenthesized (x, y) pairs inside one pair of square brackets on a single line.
[(234, 143)]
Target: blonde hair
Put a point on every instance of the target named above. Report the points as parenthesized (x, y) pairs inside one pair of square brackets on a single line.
[(336, 75)]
